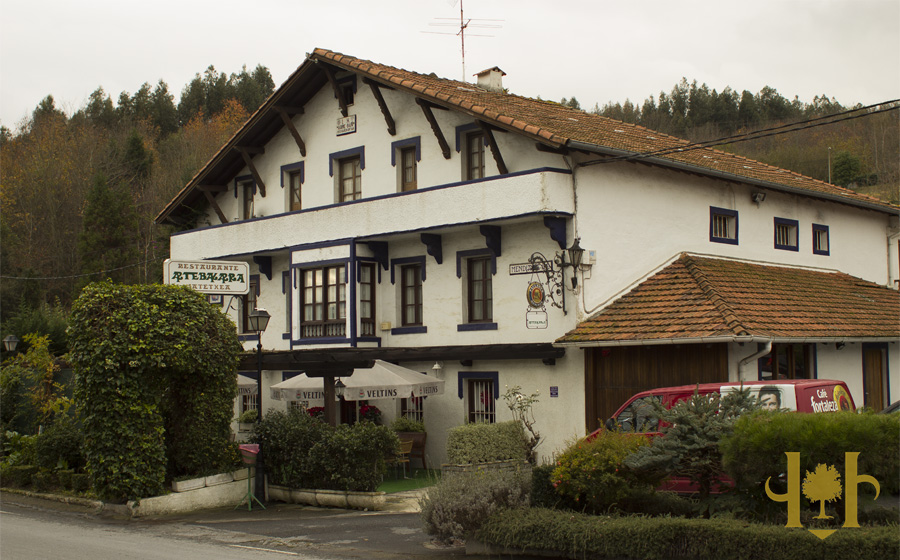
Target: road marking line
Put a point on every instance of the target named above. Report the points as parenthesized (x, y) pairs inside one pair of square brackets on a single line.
[(264, 549)]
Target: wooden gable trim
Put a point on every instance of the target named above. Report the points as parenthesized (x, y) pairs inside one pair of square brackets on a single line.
[(215, 206), (329, 72), (289, 124), (492, 143), (429, 116), (245, 153), (376, 91), (212, 188)]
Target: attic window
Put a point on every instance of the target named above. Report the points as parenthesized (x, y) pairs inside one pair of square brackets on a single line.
[(786, 234), (723, 225)]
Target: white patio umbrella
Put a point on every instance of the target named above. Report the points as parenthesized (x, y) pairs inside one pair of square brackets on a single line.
[(382, 381), (246, 385)]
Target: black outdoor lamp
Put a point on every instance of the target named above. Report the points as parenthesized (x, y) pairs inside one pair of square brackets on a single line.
[(10, 342), (339, 388), (259, 320), (576, 253)]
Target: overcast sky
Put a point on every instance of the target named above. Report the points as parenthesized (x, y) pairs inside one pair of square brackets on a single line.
[(595, 50)]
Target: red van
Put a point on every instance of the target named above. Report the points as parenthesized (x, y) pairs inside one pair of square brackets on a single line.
[(801, 395)]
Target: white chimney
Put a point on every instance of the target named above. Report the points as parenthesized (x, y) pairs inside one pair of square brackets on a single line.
[(491, 79)]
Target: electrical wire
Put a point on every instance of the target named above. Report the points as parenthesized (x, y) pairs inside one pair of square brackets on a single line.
[(757, 134), (4, 277)]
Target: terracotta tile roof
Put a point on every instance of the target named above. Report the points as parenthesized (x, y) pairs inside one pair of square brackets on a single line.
[(698, 297), (558, 125)]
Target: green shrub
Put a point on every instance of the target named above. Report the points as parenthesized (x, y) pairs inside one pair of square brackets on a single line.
[(60, 446), (64, 477), (485, 443), (574, 535), (44, 481), (17, 476), (756, 450), (19, 449), (353, 457), (461, 502), (543, 494), (285, 438), (81, 482), (407, 424), (304, 452), (248, 416), (592, 474)]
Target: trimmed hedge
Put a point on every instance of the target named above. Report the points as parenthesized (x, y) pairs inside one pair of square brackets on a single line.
[(486, 443), (756, 450), (575, 535), (304, 452)]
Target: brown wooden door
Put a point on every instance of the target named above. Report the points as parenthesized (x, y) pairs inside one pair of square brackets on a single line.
[(613, 375), (874, 374)]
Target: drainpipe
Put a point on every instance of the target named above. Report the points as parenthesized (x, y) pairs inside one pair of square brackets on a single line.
[(766, 350)]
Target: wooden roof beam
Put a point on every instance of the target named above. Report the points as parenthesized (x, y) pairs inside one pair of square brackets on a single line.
[(495, 149), (212, 188), (329, 72), (245, 153), (429, 116), (376, 91), (289, 124), (215, 206)]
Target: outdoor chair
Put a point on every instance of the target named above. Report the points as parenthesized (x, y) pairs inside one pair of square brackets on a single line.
[(402, 457), (418, 449)]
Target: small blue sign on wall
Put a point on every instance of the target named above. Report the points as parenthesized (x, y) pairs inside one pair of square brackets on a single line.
[(554, 392)]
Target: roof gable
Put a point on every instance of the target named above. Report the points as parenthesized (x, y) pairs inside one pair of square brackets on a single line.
[(708, 298), (547, 123)]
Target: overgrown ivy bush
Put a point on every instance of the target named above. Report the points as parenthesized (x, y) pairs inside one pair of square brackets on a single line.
[(485, 443), (460, 503), (304, 452), (591, 475), (576, 535), (756, 449), (154, 384)]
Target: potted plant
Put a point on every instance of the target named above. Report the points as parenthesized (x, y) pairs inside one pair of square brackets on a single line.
[(370, 412), (246, 420), (411, 429)]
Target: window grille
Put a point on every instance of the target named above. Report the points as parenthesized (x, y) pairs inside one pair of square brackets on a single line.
[(481, 401)]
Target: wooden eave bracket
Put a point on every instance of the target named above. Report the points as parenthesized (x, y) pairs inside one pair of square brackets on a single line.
[(557, 227), (429, 116), (562, 150), (286, 117), (492, 143), (492, 238), (215, 205), (433, 246), (388, 119), (245, 152), (329, 72)]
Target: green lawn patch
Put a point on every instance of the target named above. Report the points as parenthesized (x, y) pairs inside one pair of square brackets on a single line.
[(417, 478)]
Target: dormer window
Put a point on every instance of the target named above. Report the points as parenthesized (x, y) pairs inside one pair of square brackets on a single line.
[(474, 155), (786, 234)]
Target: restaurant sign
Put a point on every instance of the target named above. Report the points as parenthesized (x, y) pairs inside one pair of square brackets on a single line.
[(208, 277)]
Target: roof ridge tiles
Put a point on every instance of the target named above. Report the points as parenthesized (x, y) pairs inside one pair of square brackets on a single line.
[(703, 282)]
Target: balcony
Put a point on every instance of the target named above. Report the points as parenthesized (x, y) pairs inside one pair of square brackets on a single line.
[(498, 198)]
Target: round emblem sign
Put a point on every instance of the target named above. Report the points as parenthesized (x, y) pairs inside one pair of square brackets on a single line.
[(841, 398), (535, 294)]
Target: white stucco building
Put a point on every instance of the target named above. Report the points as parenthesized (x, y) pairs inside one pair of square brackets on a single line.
[(400, 216)]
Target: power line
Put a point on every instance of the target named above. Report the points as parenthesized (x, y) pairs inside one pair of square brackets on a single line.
[(77, 275), (763, 133)]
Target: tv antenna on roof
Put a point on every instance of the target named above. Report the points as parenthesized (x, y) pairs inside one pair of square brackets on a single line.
[(464, 24)]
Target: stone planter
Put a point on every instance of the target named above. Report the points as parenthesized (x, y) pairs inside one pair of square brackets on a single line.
[(331, 498), (216, 479), (372, 501), (304, 496), (245, 426), (522, 467), (187, 485), (241, 474)]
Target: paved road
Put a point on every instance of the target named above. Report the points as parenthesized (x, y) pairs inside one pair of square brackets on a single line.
[(33, 528)]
